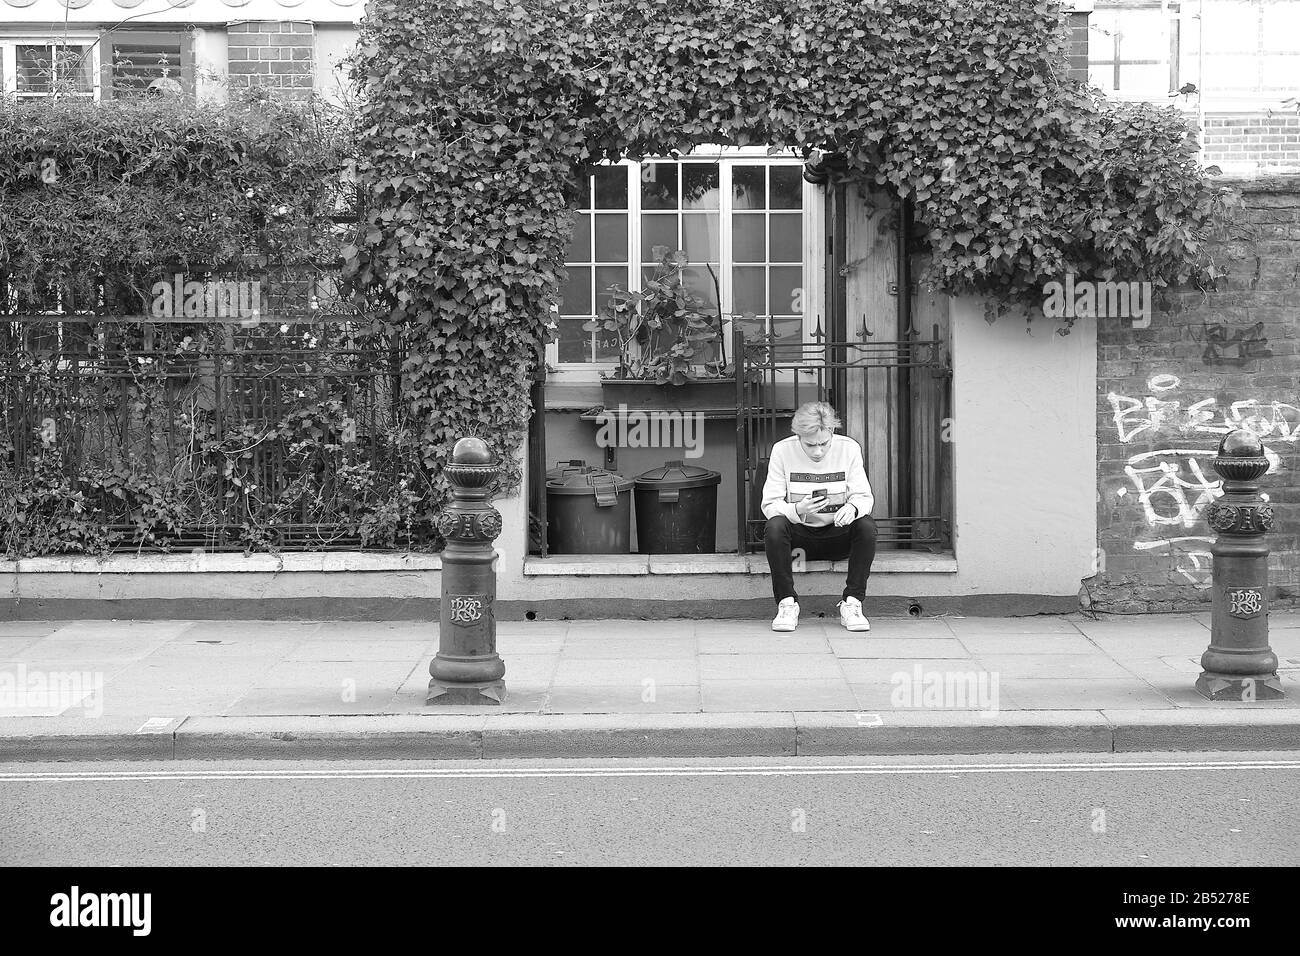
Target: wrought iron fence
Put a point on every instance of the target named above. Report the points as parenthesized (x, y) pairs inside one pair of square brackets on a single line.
[(280, 430), (894, 396)]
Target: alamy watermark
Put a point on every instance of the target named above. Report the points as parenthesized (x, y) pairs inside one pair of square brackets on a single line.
[(945, 690), (52, 692), (1082, 299), (214, 299), (126, 910), (651, 429)]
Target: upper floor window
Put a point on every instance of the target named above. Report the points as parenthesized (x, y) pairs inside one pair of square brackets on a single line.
[(32, 70), (739, 219), (1251, 48), (144, 64), (1145, 50), (114, 64), (1133, 48)]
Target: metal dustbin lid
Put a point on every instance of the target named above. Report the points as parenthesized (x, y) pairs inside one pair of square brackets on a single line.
[(674, 476), (605, 485)]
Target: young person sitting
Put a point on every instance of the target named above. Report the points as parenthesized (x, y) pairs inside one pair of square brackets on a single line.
[(817, 498)]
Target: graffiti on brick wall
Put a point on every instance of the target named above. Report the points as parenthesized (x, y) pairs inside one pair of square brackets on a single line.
[(1175, 484), (1224, 346), (1154, 413)]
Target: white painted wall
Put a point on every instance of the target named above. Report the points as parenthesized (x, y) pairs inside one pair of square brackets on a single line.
[(334, 41), (210, 46), (1024, 408), (1025, 459)]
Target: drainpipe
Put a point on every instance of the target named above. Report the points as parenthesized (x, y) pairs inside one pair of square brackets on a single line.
[(906, 333), (1200, 78)]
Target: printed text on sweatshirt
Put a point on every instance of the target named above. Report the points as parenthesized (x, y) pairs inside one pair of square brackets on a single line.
[(792, 475)]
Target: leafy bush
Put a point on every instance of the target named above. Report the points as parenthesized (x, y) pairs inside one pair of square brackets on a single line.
[(98, 201), (479, 119), (123, 434)]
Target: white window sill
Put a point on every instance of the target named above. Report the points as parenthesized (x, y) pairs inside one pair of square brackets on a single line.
[(188, 563), (579, 374), (578, 565), (587, 565)]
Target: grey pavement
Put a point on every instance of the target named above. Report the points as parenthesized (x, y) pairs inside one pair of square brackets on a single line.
[(199, 689)]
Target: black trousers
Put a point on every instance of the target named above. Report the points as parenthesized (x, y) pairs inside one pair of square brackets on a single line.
[(855, 541)]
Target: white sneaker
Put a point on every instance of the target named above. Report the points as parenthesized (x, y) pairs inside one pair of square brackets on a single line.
[(787, 615), (851, 615)]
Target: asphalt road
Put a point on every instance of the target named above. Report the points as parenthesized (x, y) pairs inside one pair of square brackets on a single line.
[(1129, 810)]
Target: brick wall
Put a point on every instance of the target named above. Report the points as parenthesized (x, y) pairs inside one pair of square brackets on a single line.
[(272, 54), (1167, 394), (1079, 46), (1246, 143)]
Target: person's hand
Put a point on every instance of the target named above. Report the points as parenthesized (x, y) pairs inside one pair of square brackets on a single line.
[(846, 515), (806, 506)]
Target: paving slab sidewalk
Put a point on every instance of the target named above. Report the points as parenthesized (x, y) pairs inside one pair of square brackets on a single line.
[(162, 690)]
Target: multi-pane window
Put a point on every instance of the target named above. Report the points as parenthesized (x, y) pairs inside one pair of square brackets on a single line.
[(767, 248), (598, 258), (681, 209), (1133, 48), (738, 220), (41, 69), (1251, 49), (114, 64), (138, 64), (1141, 49)]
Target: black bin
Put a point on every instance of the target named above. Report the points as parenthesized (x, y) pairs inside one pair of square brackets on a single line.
[(677, 509), (588, 511), (562, 466)]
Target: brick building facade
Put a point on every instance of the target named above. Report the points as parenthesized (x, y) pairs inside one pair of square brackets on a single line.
[(1233, 66), (1270, 141), (274, 55), (1166, 395), (109, 49)]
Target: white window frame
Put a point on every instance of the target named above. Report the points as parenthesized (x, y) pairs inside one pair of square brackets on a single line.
[(9, 55), (184, 70), (1186, 63), (814, 257), (1169, 46)]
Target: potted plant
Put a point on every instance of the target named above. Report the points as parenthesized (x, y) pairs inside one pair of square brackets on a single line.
[(665, 335)]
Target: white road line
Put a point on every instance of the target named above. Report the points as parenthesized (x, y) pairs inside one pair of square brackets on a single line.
[(96, 776)]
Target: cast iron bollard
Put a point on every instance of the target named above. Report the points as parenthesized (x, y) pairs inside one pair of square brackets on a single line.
[(1239, 665), (467, 669)]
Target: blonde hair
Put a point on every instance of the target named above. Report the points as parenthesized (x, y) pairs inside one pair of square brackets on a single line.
[(813, 417)]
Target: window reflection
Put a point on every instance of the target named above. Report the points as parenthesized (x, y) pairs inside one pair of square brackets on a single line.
[(658, 207)]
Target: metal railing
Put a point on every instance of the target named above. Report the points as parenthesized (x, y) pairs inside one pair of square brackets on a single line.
[(186, 432)]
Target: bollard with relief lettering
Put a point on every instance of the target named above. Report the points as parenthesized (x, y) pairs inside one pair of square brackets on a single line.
[(1239, 665), (467, 669)]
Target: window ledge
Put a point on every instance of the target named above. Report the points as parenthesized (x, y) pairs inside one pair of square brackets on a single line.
[(338, 561), (588, 565)]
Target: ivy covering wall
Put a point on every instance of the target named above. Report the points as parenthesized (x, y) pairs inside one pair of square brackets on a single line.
[(480, 119)]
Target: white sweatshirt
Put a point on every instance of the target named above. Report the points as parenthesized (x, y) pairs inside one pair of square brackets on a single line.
[(792, 476)]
